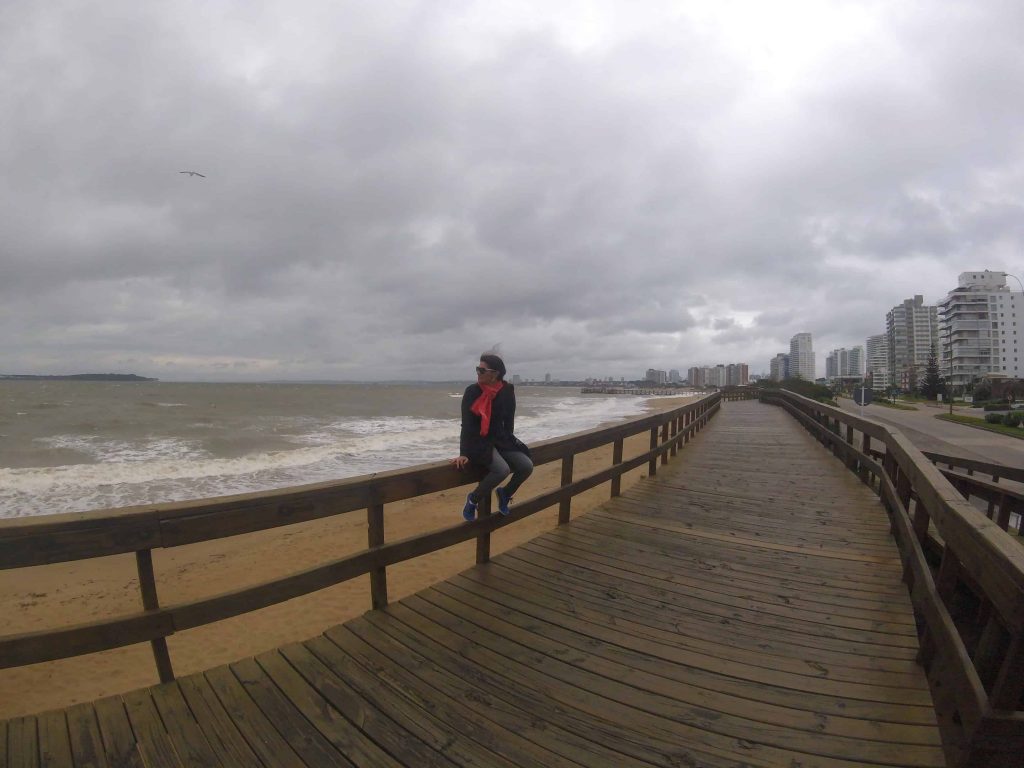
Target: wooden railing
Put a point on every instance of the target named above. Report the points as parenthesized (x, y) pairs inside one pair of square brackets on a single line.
[(1004, 493), (61, 538), (741, 393), (966, 583)]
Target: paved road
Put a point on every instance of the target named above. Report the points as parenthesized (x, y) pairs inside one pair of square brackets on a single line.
[(931, 434)]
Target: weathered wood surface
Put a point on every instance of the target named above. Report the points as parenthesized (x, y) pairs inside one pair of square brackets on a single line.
[(743, 608)]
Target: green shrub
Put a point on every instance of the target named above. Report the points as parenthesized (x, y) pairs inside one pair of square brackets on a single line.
[(999, 405), (994, 418), (1012, 419)]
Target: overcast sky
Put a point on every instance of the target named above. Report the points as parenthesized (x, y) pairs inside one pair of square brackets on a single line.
[(393, 187)]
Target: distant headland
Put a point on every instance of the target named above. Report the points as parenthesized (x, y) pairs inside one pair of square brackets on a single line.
[(77, 377)]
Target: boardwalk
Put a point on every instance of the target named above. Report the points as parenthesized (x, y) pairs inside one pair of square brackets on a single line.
[(744, 608)]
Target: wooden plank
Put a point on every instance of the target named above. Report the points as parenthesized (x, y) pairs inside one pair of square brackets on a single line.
[(118, 740), (715, 687), (750, 564), (183, 732), (385, 688), (738, 617), (259, 732), (524, 712), (392, 737), (22, 743), (828, 689), (54, 740), (347, 738), (677, 556), (648, 701), (3, 744), (303, 738), (656, 577), (532, 673), (221, 732), (86, 741), (154, 744)]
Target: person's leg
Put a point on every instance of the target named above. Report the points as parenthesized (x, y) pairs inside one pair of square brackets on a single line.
[(496, 472), (522, 468)]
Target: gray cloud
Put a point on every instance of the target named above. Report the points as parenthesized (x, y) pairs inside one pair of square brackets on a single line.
[(391, 189)]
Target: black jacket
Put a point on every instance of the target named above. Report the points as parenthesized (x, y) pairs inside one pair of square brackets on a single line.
[(478, 448)]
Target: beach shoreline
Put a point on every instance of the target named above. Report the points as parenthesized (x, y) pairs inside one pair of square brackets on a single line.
[(46, 597)]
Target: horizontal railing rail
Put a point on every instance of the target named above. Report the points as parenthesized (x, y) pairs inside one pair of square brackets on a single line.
[(741, 393), (965, 577), (54, 539)]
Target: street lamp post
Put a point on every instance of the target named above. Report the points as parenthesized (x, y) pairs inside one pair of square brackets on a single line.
[(1007, 274)]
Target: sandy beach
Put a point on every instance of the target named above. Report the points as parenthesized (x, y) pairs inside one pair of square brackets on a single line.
[(34, 599)]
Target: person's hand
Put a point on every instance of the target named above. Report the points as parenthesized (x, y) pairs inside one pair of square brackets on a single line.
[(460, 462)]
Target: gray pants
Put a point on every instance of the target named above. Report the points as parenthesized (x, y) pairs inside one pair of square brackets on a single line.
[(503, 463)]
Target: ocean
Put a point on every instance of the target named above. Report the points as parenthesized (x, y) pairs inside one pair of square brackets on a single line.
[(73, 446)]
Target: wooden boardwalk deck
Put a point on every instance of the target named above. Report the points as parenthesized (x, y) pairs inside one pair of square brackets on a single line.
[(744, 608)]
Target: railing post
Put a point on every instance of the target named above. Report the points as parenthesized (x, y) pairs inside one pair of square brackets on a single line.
[(1006, 504), (673, 426), (991, 651), (617, 459), (664, 439), (564, 505), (652, 465), (1009, 684), (147, 585), (483, 540), (375, 538)]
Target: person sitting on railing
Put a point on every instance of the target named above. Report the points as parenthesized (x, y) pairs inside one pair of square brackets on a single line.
[(487, 439)]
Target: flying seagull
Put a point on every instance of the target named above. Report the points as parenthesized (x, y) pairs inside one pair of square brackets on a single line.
[(193, 173)]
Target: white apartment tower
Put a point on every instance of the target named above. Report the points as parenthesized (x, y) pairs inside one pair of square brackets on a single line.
[(878, 362), (801, 357), (981, 321), (912, 329)]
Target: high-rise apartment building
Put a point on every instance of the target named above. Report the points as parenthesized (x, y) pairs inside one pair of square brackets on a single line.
[(981, 319), (801, 357), (737, 374), (912, 329), (878, 362), (779, 367), (721, 375), (844, 362), (845, 365)]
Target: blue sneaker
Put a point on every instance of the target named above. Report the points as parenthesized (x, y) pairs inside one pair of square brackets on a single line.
[(469, 511), (503, 500)]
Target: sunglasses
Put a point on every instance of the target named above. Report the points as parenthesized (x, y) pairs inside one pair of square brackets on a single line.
[(481, 371)]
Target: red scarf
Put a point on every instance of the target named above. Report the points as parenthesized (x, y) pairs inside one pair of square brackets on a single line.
[(482, 406)]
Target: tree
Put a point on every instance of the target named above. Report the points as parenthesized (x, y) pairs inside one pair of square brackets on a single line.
[(912, 380), (932, 385)]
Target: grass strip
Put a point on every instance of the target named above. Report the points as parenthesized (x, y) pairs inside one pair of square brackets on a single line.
[(971, 421), (897, 406)]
